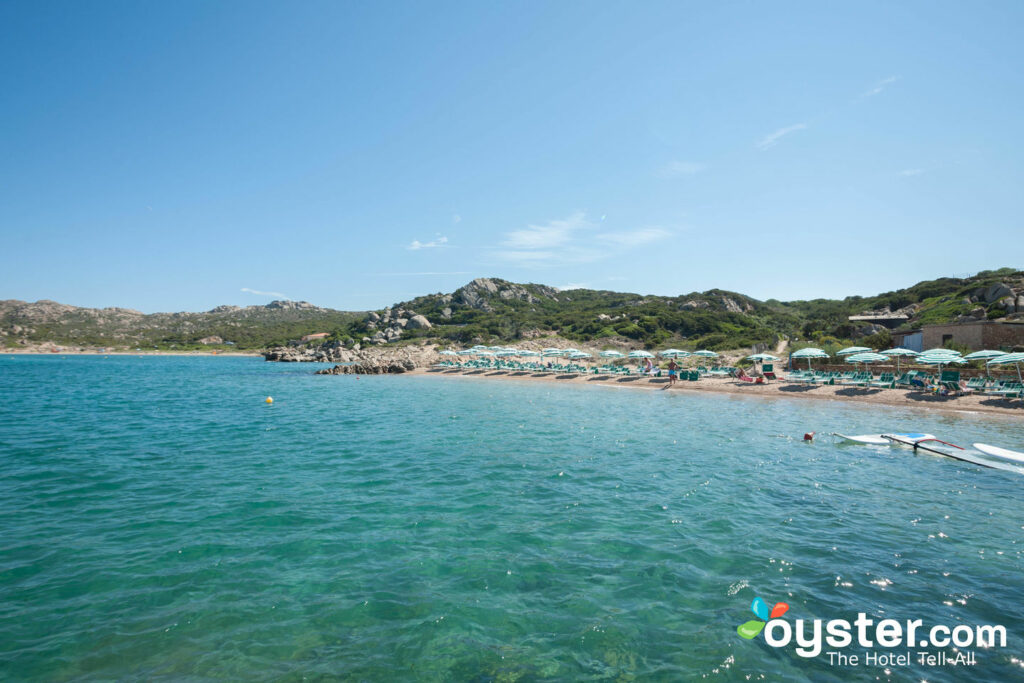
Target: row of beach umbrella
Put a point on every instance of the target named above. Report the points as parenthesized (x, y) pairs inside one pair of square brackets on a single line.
[(938, 357), (576, 354), (852, 354)]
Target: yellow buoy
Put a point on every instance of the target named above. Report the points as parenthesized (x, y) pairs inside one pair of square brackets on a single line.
[(269, 400)]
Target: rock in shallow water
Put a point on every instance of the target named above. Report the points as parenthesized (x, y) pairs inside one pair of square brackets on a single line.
[(369, 367)]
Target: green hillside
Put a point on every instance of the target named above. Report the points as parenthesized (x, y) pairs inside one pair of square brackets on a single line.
[(489, 310)]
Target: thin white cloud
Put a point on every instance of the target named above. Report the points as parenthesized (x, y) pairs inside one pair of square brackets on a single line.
[(679, 169), (911, 171), (772, 139), (569, 241), (573, 285), (456, 219), (637, 237), (257, 292), (552, 234), (880, 86), (439, 242)]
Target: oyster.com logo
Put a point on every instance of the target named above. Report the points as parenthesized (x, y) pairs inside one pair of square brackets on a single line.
[(884, 642), (759, 607)]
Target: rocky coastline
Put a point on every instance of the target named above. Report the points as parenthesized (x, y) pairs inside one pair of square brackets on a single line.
[(375, 360)]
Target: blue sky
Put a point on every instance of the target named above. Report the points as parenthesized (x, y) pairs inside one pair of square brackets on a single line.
[(181, 155)]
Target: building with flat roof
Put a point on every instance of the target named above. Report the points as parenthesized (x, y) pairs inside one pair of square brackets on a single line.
[(977, 335)]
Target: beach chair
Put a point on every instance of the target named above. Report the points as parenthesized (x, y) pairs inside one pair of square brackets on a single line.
[(885, 381), (768, 370)]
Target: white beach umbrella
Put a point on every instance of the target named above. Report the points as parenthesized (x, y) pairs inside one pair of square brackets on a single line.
[(526, 353), (939, 352), (940, 357), (985, 355), (1010, 359), (705, 353), (809, 353), (673, 353), (579, 354), (552, 352), (467, 352), (866, 357), (761, 357), (898, 353), (641, 354), (611, 354), (852, 349), (448, 352)]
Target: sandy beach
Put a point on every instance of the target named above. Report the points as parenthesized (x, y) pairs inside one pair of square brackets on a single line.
[(777, 389)]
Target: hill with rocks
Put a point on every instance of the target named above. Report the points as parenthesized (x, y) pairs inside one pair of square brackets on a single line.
[(252, 327), (491, 310)]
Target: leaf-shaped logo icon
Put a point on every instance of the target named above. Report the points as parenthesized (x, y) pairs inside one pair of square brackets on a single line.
[(750, 629), (760, 608), (779, 609)]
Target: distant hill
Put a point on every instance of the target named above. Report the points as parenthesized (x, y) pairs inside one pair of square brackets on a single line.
[(493, 310), (490, 309), (251, 327)]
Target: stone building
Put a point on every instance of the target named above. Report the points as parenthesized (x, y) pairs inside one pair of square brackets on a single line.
[(977, 335)]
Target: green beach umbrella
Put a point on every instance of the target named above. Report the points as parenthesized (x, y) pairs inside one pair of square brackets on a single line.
[(852, 349), (985, 355), (898, 353), (705, 353), (529, 354), (641, 354), (447, 352), (552, 352), (866, 357), (673, 353), (466, 352), (809, 353), (761, 357), (1008, 359), (940, 357), (611, 354)]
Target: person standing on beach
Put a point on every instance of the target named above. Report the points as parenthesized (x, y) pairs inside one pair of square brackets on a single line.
[(672, 367)]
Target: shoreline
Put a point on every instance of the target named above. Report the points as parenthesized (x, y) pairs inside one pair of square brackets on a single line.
[(988, 405)]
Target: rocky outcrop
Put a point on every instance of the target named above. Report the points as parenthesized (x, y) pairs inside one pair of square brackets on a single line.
[(418, 322), (213, 339), (477, 293), (290, 305), (371, 367), (337, 352), (733, 306)]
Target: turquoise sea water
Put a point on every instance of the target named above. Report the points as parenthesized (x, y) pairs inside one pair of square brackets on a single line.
[(158, 520)]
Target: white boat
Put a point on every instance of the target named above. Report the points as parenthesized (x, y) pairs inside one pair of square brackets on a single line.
[(881, 440), (997, 452)]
